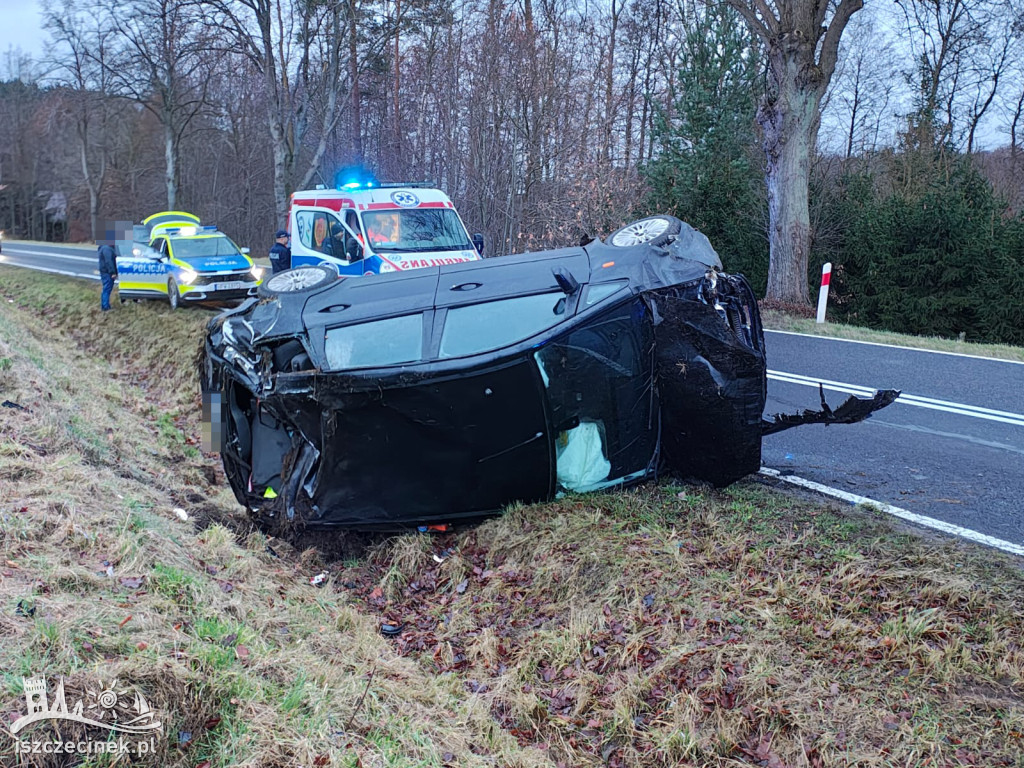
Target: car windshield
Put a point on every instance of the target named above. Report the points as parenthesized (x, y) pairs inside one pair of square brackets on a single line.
[(415, 231), (203, 247)]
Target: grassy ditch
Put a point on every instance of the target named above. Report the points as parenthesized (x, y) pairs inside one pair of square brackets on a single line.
[(664, 626)]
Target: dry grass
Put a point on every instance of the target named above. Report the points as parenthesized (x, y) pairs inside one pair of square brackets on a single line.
[(663, 626), (792, 319)]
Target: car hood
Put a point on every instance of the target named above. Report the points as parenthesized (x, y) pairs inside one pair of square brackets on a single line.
[(218, 263)]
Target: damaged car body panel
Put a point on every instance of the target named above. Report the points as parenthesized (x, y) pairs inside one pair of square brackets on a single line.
[(447, 393)]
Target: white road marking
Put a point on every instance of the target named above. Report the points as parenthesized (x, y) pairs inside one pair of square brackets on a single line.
[(896, 346), (889, 509), (51, 255), (1005, 417)]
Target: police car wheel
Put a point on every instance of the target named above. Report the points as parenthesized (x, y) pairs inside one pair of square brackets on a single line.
[(173, 297), (656, 230), (298, 281)]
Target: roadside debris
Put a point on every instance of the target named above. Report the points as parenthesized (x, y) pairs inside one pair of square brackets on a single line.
[(181, 514), (319, 579)]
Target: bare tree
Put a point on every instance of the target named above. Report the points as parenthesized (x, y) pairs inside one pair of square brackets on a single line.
[(296, 47), (162, 62), (863, 88), (84, 71), (801, 39)]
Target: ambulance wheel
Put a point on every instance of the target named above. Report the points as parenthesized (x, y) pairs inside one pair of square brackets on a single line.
[(173, 297), (292, 282), (656, 230)]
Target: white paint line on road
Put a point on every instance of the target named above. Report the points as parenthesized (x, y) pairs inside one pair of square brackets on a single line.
[(51, 255), (52, 271), (896, 346), (903, 514), (990, 414)]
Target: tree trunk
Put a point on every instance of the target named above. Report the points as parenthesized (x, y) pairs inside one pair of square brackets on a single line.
[(281, 202), (171, 172), (790, 124), (353, 63)]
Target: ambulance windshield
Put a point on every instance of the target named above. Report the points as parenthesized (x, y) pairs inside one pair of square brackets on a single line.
[(415, 231)]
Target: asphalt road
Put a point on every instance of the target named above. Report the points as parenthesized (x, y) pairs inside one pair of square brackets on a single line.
[(951, 448), (74, 261)]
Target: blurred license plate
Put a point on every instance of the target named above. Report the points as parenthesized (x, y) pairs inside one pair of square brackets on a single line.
[(228, 286)]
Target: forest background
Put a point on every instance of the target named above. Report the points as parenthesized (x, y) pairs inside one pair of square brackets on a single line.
[(548, 121)]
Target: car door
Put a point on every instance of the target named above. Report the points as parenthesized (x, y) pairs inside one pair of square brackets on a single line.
[(140, 273), (324, 238)]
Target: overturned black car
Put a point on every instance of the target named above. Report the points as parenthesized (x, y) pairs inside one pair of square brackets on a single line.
[(445, 393)]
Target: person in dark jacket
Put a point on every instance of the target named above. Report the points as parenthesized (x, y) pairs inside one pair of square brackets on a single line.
[(280, 253), (108, 268)]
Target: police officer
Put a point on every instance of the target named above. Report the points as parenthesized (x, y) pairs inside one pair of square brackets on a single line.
[(280, 253)]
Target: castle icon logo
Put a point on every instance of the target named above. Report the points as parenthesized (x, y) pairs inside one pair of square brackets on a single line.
[(111, 707)]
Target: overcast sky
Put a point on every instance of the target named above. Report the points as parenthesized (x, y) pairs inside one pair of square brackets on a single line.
[(21, 27)]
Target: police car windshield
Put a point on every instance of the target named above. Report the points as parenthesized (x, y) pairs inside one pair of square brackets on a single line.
[(203, 247), (415, 231)]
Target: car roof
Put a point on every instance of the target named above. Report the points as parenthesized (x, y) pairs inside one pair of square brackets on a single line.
[(376, 198)]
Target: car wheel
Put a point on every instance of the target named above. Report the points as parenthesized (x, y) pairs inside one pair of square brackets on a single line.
[(656, 230), (173, 297), (300, 280)]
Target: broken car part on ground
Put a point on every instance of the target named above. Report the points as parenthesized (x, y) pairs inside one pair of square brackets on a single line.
[(447, 393)]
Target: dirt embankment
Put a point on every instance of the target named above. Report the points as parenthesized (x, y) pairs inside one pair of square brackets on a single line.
[(660, 627)]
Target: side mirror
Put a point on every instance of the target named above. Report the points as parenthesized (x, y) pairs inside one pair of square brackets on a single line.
[(245, 251), (354, 251), (478, 243)]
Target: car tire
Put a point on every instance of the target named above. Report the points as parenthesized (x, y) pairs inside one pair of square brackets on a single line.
[(654, 230), (297, 281), (173, 296)]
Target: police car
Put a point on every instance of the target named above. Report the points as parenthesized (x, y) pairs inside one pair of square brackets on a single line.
[(372, 227), (175, 257)]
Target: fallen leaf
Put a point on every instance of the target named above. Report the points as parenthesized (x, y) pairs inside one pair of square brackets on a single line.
[(241, 652), (132, 582), (124, 621)]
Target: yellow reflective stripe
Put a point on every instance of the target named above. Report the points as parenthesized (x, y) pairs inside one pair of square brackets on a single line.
[(127, 286), (191, 217)]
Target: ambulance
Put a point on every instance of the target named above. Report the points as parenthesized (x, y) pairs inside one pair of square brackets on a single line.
[(372, 227)]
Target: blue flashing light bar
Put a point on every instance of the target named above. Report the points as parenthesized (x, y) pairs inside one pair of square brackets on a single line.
[(356, 185)]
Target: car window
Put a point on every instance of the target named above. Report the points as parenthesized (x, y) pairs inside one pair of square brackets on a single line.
[(161, 246), (369, 345), (411, 231), (199, 247), (323, 232), (494, 324), (352, 220), (601, 291)]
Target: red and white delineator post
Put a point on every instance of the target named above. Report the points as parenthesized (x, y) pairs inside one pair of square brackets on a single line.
[(826, 276)]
